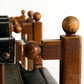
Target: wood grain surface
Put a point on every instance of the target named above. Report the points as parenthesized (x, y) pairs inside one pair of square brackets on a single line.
[(70, 65)]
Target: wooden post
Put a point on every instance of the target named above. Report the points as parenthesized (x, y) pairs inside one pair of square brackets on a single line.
[(70, 65), (37, 31), (33, 50), (2, 74), (20, 52), (28, 30), (37, 36)]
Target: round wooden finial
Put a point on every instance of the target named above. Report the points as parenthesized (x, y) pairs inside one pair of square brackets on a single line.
[(33, 49), (23, 12), (70, 25), (5, 55), (30, 14), (37, 16), (17, 28)]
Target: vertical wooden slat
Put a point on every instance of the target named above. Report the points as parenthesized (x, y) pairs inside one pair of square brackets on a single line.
[(27, 29), (34, 32), (37, 30), (37, 26), (70, 64), (20, 52)]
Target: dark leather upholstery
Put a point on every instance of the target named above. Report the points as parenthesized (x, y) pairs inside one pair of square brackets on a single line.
[(4, 19), (4, 27), (38, 76), (15, 74), (12, 74), (7, 45), (47, 76)]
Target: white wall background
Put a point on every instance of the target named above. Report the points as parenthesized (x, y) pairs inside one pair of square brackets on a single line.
[(53, 12)]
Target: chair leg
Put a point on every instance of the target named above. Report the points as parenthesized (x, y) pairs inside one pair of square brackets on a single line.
[(2, 73)]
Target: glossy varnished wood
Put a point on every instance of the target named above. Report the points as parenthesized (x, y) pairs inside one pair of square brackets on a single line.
[(30, 64), (31, 30), (30, 19), (70, 25), (51, 49), (38, 62), (38, 37), (33, 52), (19, 50), (22, 16), (33, 49), (70, 65), (37, 31), (28, 30)]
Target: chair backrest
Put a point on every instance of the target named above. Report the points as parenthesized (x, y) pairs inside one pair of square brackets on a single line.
[(67, 49), (31, 31)]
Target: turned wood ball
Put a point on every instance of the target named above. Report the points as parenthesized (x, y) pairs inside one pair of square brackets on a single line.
[(70, 25), (17, 28), (30, 14), (33, 49), (23, 12), (37, 16)]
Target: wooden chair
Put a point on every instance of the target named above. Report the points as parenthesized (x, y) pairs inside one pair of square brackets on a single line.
[(31, 29), (67, 49)]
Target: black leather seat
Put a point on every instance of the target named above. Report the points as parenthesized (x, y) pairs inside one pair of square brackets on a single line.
[(15, 74), (38, 76)]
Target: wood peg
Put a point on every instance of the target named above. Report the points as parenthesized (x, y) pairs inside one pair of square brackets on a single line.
[(23, 15), (17, 28), (37, 16), (70, 25), (33, 49), (30, 14), (23, 12)]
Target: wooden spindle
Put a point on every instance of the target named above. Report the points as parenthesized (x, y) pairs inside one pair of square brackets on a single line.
[(37, 29), (33, 51)]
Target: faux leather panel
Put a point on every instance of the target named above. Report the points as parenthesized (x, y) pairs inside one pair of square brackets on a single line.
[(7, 45), (12, 74), (38, 76), (4, 29)]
